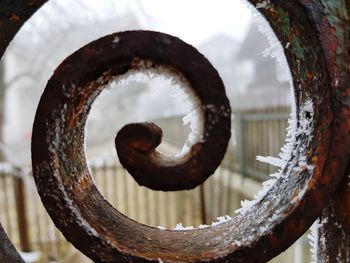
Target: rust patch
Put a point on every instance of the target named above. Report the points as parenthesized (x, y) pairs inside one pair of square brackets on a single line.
[(14, 17)]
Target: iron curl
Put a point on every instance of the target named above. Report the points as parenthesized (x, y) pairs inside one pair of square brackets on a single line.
[(315, 39)]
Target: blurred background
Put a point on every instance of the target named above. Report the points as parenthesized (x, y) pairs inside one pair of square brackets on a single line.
[(226, 32)]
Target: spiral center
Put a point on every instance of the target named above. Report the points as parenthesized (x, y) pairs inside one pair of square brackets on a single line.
[(156, 95)]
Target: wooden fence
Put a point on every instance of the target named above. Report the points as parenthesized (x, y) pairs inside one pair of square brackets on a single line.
[(253, 133), (31, 229)]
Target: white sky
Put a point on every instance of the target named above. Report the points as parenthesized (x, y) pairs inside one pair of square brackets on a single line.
[(195, 20), (191, 20)]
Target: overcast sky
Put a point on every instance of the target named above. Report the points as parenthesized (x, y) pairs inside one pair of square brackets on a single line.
[(194, 21), (191, 20)]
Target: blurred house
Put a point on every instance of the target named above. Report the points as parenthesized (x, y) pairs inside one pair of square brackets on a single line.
[(268, 85), (250, 79)]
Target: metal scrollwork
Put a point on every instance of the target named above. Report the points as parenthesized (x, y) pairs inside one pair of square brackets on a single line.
[(316, 40)]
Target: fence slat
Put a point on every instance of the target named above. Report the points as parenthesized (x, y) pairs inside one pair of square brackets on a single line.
[(6, 196), (22, 213)]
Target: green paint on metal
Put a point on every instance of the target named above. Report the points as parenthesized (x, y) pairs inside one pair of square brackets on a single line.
[(337, 8), (284, 20), (338, 18), (297, 49)]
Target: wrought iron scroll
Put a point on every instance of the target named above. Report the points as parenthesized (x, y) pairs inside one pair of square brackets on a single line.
[(316, 41)]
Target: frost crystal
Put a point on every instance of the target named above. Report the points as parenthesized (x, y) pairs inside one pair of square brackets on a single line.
[(237, 243), (179, 226), (314, 237), (264, 4), (116, 40), (305, 127), (194, 119), (247, 204), (178, 87), (221, 219), (301, 125), (272, 160), (181, 89)]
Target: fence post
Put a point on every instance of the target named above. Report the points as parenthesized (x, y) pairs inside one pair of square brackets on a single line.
[(203, 205), (240, 140), (21, 209)]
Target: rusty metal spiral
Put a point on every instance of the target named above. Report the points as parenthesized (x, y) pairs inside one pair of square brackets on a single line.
[(316, 40)]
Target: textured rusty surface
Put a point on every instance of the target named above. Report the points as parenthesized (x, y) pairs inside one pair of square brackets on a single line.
[(315, 41), (8, 253), (13, 14), (136, 147), (136, 143), (332, 232)]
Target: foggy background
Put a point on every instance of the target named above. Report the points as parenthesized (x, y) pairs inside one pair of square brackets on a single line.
[(225, 32)]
